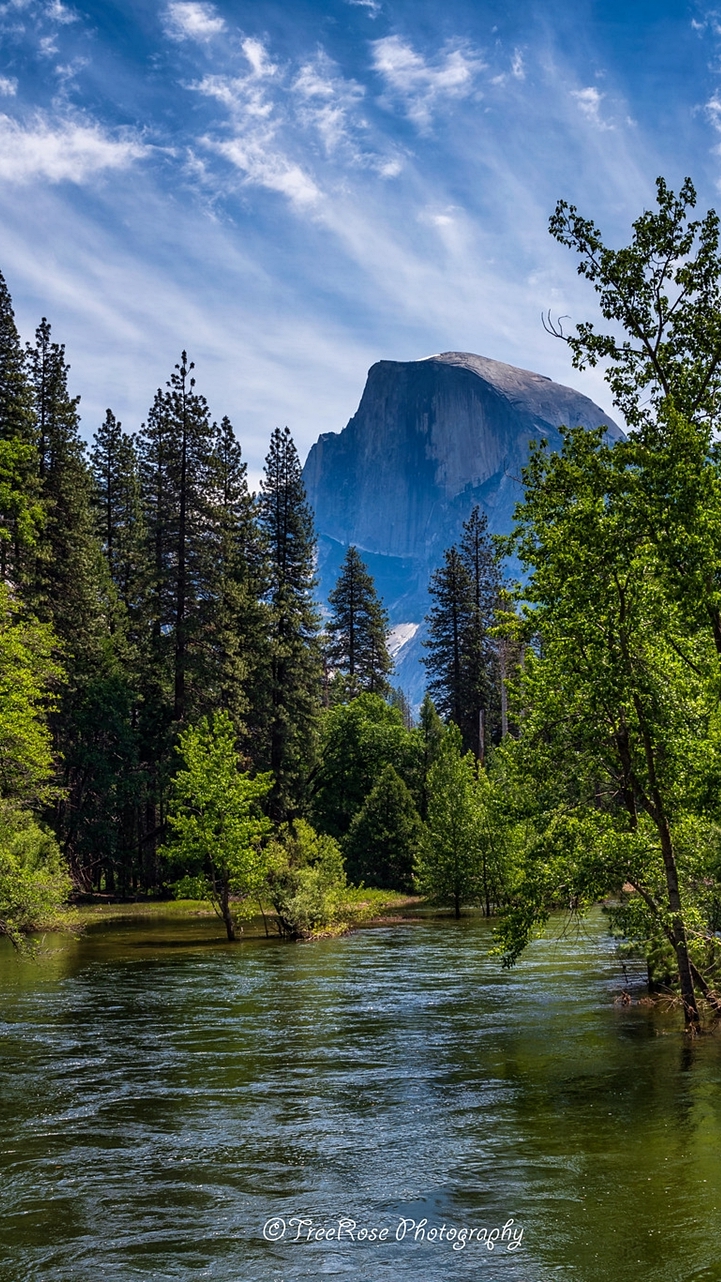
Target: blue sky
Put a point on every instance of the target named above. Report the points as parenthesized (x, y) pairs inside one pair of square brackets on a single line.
[(295, 190)]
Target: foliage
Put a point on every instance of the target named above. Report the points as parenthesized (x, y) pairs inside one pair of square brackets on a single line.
[(217, 829), (384, 837), (663, 291), (306, 881), (358, 740), (34, 881), (28, 675), (462, 856)]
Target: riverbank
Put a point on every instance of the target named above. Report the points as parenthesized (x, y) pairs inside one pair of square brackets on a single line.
[(361, 907)]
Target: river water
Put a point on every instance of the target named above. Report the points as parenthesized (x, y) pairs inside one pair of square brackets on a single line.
[(165, 1096)]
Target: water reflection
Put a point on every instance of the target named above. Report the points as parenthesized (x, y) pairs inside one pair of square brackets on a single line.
[(165, 1094)]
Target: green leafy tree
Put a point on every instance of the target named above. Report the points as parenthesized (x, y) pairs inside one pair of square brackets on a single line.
[(217, 829), (30, 677), (292, 696), (622, 702), (626, 784), (357, 630), (358, 740), (384, 837), (306, 880), (663, 293), (450, 864), (34, 881)]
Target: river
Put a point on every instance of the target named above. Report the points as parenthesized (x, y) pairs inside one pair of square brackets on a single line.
[(167, 1098)]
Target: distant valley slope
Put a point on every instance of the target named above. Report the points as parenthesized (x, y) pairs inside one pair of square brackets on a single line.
[(430, 439)]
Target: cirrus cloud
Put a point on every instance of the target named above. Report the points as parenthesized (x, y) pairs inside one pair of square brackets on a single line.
[(61, 150), (192, 20), (421, 83)]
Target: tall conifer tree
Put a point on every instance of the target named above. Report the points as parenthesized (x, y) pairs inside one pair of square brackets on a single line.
[(294, 674), (480, 649), (357, 630), (21, 514), (235, 617), (119, 523), (176, 446), (72, 589), (449, 624)]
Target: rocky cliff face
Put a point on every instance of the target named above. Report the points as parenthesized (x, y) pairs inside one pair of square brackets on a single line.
[(430, 439)]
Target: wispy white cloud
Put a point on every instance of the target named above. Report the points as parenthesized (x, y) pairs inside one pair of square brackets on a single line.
[(255, 148), (192, 20), (264, 166), (373, 6), (60, 13), (61, 150), (518, 71), (589, 104), (421, 84), (327, 102), (8, 86), (713, 110)]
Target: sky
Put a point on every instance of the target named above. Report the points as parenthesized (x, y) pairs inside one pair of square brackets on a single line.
[(292, 190)]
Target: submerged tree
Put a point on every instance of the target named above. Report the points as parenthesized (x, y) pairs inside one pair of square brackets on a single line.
[(449, 865), (215, 820)]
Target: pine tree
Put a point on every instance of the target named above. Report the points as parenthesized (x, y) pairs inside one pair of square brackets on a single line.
[(357, 630), (463, 658), (71, 589), (480, 650), (384, 838), (21, 514), (234, 617), (175, 449), (450, 623), (295, 666), (116, 500)]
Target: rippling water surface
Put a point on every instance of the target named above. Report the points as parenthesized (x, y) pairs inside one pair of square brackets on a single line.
[(164, 1095)]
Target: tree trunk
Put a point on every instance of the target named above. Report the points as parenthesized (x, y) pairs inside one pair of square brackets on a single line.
[(504, 691), (225, 910), (688, 994)]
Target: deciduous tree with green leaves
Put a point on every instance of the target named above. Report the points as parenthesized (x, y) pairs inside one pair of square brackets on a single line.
[(454, 853), (620, 728), (214, 817)]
